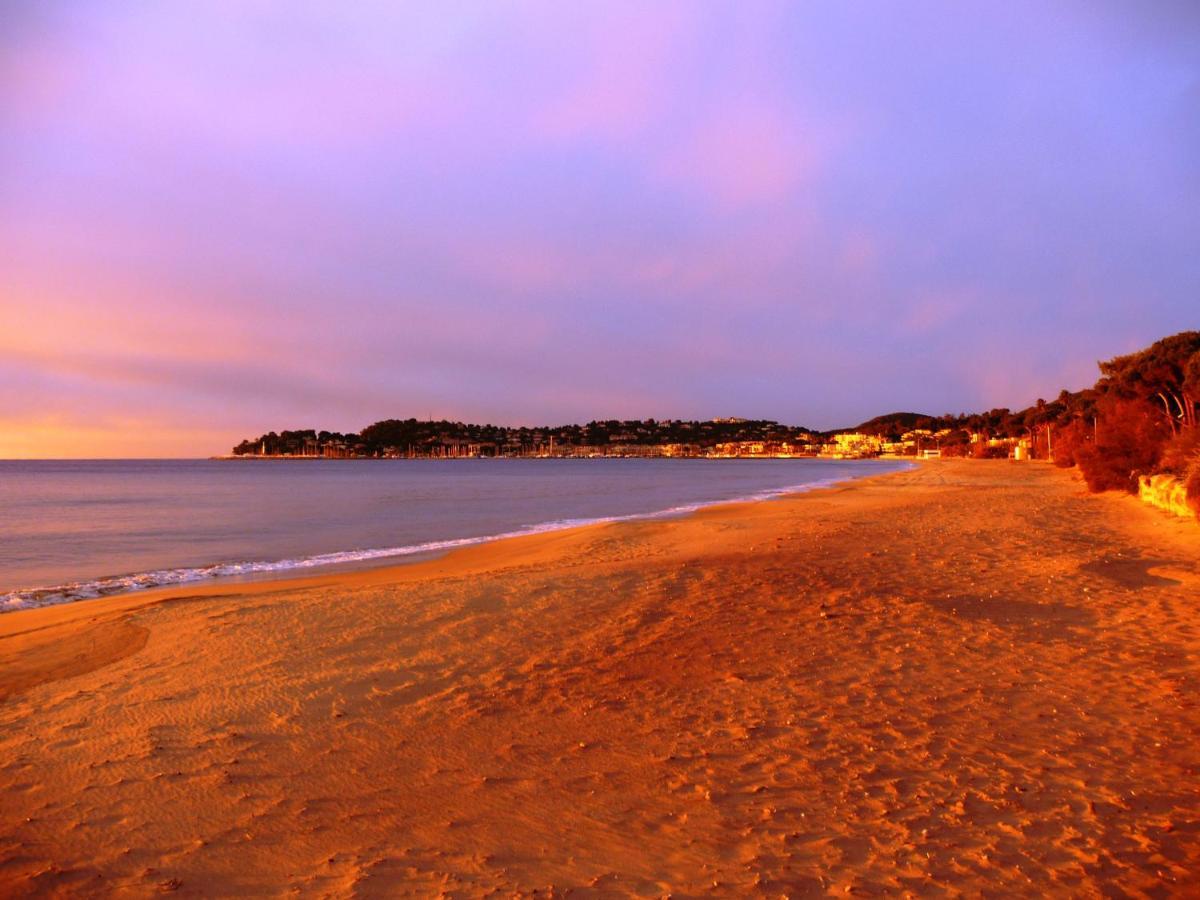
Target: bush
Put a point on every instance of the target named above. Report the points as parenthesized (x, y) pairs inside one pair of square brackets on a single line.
[(1067, 441), (1180, 452), (1130, 441), (1192, 484), (982, 451)]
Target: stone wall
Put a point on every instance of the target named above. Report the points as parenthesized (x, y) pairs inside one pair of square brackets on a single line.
[(1167, 493)]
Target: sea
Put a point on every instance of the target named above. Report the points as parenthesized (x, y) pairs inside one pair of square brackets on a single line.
[(77, 530)]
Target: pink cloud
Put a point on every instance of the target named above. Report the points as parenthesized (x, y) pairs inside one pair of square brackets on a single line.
[(616, 80), (742, 156), (859, 254), (932, 311)]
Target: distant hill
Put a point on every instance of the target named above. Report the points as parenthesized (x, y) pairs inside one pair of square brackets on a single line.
[(1141, 417), (420, 438), (903, 421)]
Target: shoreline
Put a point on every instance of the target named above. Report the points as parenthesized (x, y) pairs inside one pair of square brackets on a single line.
[(75, 624), (968, 676), (334, 562), (765, 456)]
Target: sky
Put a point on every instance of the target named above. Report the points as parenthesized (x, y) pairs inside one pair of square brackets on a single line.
[(223, 218)]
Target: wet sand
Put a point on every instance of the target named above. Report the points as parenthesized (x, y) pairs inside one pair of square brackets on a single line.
[(970, 678)]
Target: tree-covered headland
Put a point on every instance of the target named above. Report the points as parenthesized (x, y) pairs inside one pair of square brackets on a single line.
[(1141, 417), (417, 438)]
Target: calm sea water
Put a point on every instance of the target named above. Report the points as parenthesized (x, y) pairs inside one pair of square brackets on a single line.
[(73, 530)]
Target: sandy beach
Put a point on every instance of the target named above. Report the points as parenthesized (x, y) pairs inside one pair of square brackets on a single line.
[(969, 678)]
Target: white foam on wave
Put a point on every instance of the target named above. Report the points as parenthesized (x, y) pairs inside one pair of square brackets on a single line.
[(121, 584)]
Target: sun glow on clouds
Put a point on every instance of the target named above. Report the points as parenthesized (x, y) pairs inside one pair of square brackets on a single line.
[(70, 437), (218, 220)]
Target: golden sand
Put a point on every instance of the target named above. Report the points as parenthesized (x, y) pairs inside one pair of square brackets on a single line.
[(973, 678)]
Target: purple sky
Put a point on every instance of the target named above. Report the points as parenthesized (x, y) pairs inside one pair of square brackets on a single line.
[(223, 218)]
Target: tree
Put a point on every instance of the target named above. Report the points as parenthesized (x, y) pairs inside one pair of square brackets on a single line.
[(1167, 374), (1129, 440)]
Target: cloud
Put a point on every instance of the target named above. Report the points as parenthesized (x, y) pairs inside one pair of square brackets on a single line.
[(241, 218), (64, 436), (616, 71), (934, 311), (742, 156)]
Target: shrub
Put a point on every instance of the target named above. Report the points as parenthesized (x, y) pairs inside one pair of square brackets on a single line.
[(1180, 452), (1192, 484), (1130, 441), (1068, 440), (982, 451)]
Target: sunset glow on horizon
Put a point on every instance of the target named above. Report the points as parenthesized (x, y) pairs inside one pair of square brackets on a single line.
[(221, 219)]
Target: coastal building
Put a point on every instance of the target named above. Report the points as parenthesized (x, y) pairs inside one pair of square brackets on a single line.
[(897, 448), (853, 445)]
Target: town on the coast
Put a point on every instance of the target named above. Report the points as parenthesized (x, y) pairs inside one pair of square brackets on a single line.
[(1137, 429), (727, 438)]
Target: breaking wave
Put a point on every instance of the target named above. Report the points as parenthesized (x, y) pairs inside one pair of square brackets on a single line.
[(30, 598)]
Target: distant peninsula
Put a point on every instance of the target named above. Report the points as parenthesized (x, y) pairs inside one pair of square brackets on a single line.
[(1138, 421)]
